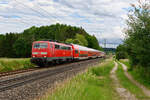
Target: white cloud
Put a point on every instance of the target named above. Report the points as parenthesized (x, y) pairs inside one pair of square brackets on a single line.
[(103, 18)]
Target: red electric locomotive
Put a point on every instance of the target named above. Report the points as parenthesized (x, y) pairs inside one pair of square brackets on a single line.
[(44, 52)]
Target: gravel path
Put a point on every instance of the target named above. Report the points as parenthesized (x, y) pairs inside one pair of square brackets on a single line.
[(144, 89), (124, 94)]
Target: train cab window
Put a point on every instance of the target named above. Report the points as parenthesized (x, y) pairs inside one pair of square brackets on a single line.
[(76, 51), (40, 45), (57, 46)]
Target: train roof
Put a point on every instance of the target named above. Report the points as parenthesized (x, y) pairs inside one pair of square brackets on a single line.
[(84, 48), (58, 43)]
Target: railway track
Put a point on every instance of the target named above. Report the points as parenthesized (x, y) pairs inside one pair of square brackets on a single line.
[(27, 78), (9, 73), (2, 74)]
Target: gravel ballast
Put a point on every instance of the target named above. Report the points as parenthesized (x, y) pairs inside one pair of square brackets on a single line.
[(35, 89)]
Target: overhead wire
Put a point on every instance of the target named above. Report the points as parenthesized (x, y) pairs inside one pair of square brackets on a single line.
[(19, 20), (49, 14), (30, 8), (38, 12)]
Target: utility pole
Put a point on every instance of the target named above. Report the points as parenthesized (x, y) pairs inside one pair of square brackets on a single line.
[(104, 43)]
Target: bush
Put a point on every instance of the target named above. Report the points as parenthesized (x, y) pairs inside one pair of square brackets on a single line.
[(138, 35)]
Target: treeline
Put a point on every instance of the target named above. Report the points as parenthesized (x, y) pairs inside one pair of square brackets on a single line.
[(136, 46), (18, 45)]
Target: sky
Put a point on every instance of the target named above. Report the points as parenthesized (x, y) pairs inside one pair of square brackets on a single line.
[(103, 18)]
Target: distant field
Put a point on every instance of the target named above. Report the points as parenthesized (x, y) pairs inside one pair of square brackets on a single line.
[(9, 64)]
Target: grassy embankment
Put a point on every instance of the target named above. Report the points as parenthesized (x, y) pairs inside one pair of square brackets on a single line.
[(140, 74), (8, 64), (126, 83), (95, 84)]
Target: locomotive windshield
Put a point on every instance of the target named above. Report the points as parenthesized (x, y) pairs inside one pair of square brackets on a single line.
[(40, 45)]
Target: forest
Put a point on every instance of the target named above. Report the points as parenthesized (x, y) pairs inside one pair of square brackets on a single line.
[(18, 45)]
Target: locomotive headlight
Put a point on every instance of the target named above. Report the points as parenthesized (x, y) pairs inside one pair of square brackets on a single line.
[(43, 53), (35, 53)]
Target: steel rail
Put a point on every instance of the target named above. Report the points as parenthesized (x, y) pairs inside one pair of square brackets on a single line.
[(19, 81)]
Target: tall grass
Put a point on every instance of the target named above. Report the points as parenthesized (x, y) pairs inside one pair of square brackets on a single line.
[(140, 74), (7, 64), (126, 83), (126, 62), (95, 84)]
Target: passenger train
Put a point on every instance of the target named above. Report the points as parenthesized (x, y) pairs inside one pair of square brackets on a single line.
[(46, 51)]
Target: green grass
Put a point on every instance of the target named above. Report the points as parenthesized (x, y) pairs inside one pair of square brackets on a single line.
[(126, 83), (9, 64), (95, 84), (140, 74), (126, 62)]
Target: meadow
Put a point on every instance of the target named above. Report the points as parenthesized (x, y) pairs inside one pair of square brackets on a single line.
[(10, 64)]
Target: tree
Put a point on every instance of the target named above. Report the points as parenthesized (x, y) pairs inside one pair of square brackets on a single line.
[(93, 42), (138, 35), (1, 45), (121, 52), (81, 40), (20, 48), (7, 43), (69, 41)]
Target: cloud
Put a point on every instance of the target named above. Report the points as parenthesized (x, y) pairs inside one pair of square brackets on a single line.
[(103, 18)]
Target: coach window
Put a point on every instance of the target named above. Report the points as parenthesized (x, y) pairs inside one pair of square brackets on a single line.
[(57, 46), (63, 47), (76, 51), (68, 48)]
